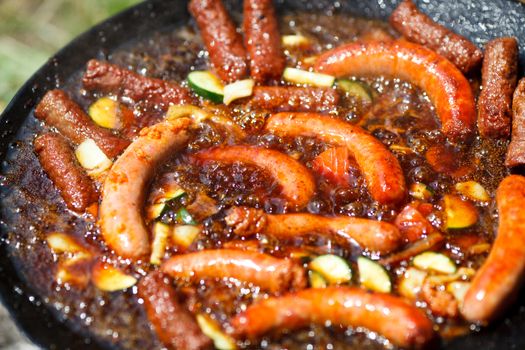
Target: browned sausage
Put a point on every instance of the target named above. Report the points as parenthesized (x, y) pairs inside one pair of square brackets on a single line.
[(294, 99), (516, 150), (421, 29), (57, 110), (59, 162), (499, 77), (263, 270), (262, 40), (401, 323), (376, 236), (446, 87), (175, 326), (496, 284), (154, 93), (224, 44)]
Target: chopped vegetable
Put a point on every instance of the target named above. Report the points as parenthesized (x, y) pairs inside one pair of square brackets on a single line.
[(429, 242), (434, 262), (373, 276), (401, 149), (296, 40), (299, 76), (160, 202), (333, 165), (458, 290), (412, 282), (110, 279), (105, 112), (479, 248), (160, 237), (91, 158), (184, 235), (316, 280), (473, 190), (238, 89), (310, 61), (210, 328), (355, 89), (207, 85), (73, 272), (195, 113), (421, 191), (184, 217), (459, 213), (62, 243), (334, 269), (463, 273)]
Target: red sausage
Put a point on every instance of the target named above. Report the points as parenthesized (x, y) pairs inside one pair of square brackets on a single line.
[(516, 150), (419, 28), (496, 284), (499, 76), (445, 85), (224, 44), (401, 323), (59, 162), (380, 168), (294, 99), (260, 269), (174, 325), (154, 93), (262, 40)]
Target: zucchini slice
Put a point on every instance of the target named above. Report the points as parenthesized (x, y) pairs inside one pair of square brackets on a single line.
[(160, 239), (299, 76), (160, 205), (473, 190), (105, 112), (334, 269), (356, 89), (184, 235), (316, 280), (459, 213), (207, 85), (435, 262), (211, 329), (238, 89), (184, 217), (373, 276), (421, 191)]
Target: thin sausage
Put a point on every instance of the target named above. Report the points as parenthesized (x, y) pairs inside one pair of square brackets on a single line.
[(174, 325), (401, 323), (499, 76), (516, 150), (263, 270), (294, 99), (57, 110), (297, 183), (445, 85), (496, 284), (59, 162), (262, 40), (154, 93), (224, 44), (123, 197), (381, 169), (419, 28), (375, 236)]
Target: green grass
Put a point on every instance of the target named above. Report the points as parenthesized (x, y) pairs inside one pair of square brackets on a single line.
[(32, 30)]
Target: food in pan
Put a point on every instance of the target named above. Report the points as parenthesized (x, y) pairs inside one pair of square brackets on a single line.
[(262, 184)]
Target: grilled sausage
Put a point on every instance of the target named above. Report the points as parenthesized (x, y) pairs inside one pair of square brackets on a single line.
[(59, 162), (153, 93), (419, 28), (380, 168), (263, 270), (446, 87), (403, 324), (57, 110), (499, 77), (174, 325), (516, 150), (376, 236), (224, 44), (296, 181), (294, 99), (496, 284), (123, 197), (262, 40)]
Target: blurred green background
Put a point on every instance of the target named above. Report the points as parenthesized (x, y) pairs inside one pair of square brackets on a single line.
[(33, 30)]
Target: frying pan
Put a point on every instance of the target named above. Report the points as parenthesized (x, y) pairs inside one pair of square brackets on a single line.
[(478, 20)]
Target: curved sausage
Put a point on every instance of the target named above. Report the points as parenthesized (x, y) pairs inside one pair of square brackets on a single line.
[(516, 150), (376, 236), (60, 164), (174, 325), (263, 41), (56, 109), (496, 284), (401, 323), (263, 270), (499, 77), (298, 185), (294, 99), (382, 172), (123, 197), (224, 44), (154, 93), (446, 87), (419, 28)]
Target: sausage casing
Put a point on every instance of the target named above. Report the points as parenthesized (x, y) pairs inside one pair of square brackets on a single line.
[(516, 150), (297, 99)]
